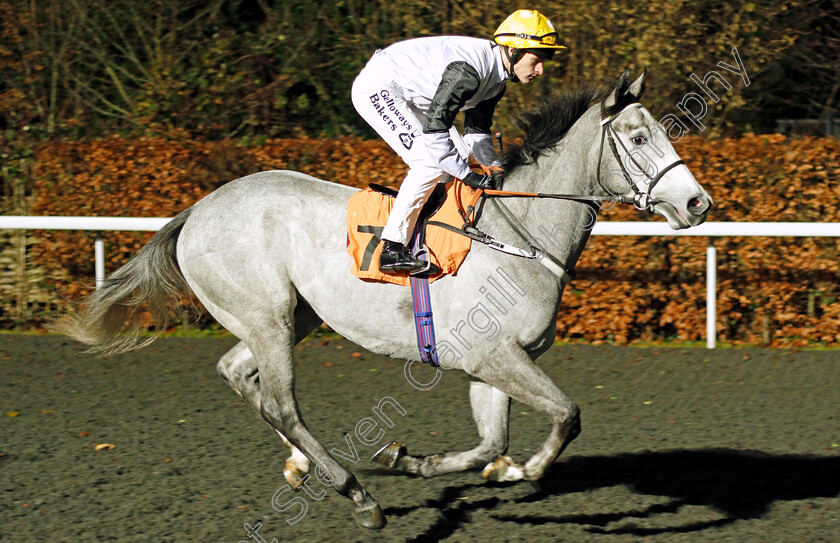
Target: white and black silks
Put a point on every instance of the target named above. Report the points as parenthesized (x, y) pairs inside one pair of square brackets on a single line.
[(459, 83), (441, 76)]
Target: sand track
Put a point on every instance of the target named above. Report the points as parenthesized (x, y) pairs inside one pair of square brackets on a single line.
[(677, 445)]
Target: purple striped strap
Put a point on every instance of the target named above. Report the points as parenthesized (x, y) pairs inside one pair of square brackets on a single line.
[(423, 313)]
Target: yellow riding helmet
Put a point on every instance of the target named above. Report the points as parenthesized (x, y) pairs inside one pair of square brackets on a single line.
[(527, 29)]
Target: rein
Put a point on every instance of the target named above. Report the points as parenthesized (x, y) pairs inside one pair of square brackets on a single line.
[(640, 199)]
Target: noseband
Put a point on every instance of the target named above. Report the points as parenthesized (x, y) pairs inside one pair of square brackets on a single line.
[(641, 199)]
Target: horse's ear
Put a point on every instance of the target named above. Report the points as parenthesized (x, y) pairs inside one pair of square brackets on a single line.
[(638, 86), (623, 82), (619, 90)]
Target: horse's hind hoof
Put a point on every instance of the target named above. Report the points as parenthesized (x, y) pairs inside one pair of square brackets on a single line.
[(372, 519), (503, 470), (390, 454), (293, 474)]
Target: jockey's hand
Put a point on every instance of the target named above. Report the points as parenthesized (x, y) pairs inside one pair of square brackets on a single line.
[(498, 176), (497, 173), (479, 181)]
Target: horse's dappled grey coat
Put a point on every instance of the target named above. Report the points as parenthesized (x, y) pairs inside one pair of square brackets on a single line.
[(266, 256)]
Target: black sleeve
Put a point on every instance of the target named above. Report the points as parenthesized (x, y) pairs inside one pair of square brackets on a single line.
[(459, 83), (479, 119)]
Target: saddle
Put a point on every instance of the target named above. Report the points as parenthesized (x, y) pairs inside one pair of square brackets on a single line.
[(368, 210)]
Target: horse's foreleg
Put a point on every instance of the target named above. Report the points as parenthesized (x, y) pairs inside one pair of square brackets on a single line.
[(273, 351), (520, 377), (490, 409), (239, 370)]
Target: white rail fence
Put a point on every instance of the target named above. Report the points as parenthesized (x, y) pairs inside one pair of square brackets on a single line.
[(609, 228)]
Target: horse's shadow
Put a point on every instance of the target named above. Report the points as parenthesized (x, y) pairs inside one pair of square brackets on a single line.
[(738, 484)]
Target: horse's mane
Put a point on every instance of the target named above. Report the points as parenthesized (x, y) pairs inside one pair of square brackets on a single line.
[(546, 124)]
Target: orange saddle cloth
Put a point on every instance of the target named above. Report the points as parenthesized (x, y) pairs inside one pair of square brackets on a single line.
[(367, 213)]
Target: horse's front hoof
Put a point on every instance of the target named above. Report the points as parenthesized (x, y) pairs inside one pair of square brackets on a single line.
[(390, 454), (503, 470), (372, 519)]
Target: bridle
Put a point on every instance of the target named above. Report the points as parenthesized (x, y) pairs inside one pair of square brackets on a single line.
[(641, 200)]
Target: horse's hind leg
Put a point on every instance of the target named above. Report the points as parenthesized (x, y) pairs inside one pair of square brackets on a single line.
[(272, 343), (490, 409), (239, 370)]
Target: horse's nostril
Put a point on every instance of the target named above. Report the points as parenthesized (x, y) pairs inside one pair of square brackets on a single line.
[(698, 205)]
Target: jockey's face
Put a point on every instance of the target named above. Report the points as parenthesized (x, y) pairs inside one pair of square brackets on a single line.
[(528, 68)]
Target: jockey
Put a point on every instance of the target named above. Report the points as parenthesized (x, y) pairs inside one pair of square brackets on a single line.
[(411, 92)]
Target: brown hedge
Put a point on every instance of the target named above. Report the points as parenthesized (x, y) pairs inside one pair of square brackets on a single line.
[(781, 291)]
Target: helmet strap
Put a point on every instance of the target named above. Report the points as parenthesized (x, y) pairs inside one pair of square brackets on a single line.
[(513, 56)]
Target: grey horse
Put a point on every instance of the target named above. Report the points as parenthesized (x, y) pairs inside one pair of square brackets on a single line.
[(265, 254)]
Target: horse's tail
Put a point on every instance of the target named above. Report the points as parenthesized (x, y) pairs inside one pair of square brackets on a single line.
[(109, 319)]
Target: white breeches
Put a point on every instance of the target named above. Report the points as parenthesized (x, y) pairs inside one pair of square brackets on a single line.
[(380, 101)]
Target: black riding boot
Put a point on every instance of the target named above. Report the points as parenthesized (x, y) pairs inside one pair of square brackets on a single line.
[(395, 258)]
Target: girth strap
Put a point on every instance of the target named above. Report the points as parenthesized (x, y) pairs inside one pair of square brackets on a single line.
[(422, 301)]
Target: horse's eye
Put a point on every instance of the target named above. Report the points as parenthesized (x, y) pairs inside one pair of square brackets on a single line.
[(639, 140)]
